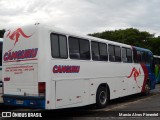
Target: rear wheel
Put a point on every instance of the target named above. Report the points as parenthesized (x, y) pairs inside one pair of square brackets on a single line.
[(101, 97), (147, 89)]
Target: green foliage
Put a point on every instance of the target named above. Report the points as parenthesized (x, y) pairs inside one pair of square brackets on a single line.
[(132, 36)]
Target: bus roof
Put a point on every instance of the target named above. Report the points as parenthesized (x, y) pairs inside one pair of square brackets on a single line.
[(55, 29), (66, 32), (142, 49)]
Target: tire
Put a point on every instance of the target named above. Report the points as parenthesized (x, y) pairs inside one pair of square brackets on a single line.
[(101, 97), (147, 89)]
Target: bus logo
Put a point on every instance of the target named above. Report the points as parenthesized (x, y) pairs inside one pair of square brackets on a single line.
[(135, 73), (15, 36), (66, 69)]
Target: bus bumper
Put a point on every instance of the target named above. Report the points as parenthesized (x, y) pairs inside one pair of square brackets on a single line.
[(24, 101)]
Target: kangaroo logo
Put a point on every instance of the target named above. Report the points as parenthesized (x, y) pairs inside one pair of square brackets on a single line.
[(135, 73), (15, 36)]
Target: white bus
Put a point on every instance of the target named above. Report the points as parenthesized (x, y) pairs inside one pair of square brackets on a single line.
[(1, 85), (48, 68)]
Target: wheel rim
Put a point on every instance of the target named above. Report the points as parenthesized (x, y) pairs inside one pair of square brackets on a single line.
[(103, 97)]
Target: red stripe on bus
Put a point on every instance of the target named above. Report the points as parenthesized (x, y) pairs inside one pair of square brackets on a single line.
[(145, 76)]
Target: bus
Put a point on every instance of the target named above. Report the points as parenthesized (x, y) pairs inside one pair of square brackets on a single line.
[(1, 85), (157, 68), (49, 68)]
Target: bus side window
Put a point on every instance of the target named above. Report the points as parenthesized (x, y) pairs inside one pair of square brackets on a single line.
[(59, 46), (117, 54), (74, 48), (103, 52), (147, 58), (84, 49), (143, 55), (124, 55), (111, 53), (135, 56), (79, 48), (95, 51), (129, 55)]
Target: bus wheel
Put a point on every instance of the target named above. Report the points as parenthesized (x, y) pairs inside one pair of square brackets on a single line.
[(101, 97), (147, 89)]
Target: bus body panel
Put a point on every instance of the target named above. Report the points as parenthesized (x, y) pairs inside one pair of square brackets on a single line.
[(17, 83), (20, 67), (70, 86)]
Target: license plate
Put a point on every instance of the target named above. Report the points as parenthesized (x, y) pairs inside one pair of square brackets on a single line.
[(19, 102)]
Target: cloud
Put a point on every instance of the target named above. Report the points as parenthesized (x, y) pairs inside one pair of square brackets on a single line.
[(83, 16)]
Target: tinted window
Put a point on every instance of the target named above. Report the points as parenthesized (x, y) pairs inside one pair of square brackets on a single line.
[(129, 55), (139, 57), (79, 48), (84, 49), (63, 46), (117, 54), (55, 46), (148, 58), (143, 57), (103, 51), (114, 53), (124, 55), (95, 50), (58, 46), (99, 51), (74, 48), (135, 56), (111, 53)]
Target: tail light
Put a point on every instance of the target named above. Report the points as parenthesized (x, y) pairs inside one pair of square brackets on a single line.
[(41, 88)]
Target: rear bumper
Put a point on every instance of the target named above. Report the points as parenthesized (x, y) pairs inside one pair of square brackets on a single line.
[(24, 101)]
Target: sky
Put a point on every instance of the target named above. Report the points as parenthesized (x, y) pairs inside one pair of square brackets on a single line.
[(83, 16)]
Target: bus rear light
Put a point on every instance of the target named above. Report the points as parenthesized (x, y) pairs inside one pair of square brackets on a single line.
[(41, 88)]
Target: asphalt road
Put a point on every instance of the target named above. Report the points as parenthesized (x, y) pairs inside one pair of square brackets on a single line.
[(131, 104)]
